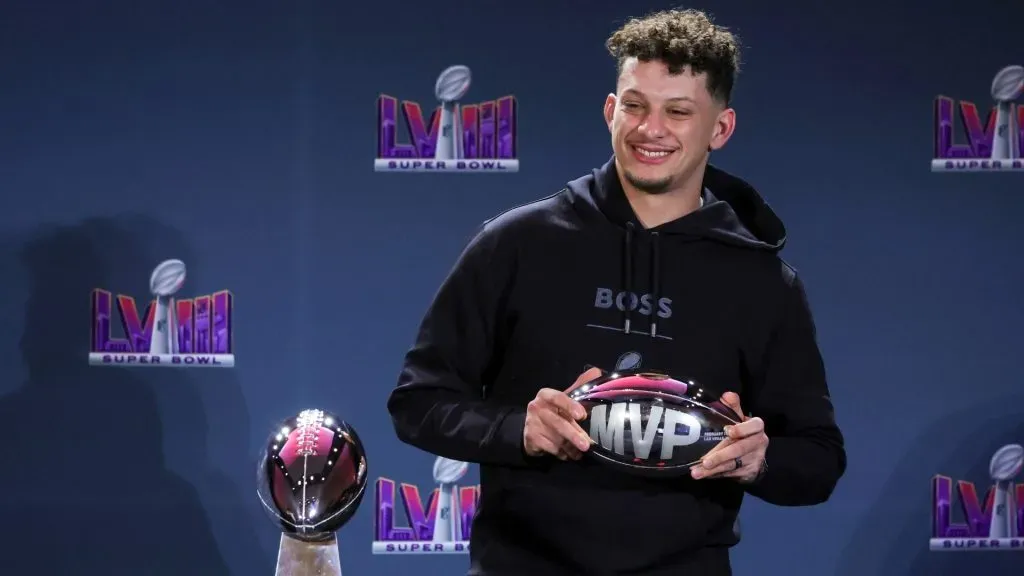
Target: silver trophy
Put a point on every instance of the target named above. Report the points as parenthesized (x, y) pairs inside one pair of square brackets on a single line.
[(311, 479), (451, 86), (1006, 465), (447, 522), (167, 278), (1006, 89)]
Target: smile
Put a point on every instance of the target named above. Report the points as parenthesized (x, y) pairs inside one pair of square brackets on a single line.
[(650, 155)]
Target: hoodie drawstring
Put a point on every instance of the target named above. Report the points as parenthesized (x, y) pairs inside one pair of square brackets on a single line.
[(629, 277), (655, 281)]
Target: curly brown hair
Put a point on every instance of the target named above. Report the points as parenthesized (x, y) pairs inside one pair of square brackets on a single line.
[(680, 39)]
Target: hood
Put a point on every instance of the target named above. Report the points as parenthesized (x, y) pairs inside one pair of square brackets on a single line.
[(732, 213)]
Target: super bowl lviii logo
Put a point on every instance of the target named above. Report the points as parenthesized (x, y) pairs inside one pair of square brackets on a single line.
[(456, 138), (441, 525), (992, 146), (179, 332), (993, 523)]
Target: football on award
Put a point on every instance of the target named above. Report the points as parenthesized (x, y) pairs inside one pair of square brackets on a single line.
[(650, 424)]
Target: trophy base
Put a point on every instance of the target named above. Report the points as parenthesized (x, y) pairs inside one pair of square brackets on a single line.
[(298, 558)]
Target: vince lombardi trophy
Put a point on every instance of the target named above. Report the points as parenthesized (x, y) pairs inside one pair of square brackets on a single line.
[(1007, 87), (447, 522), (1006, 465), (451, 86), (167, 278)]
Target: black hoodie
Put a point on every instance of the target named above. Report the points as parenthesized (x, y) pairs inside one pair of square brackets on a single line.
[(573, 280)]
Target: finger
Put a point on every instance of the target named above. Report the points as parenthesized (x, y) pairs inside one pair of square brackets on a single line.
[(549, 400), (546, 445), (583, 433), (571, 451), (566, 449), (562, 404), (564, 430), (718, 448), (718, 471), (752, 466), (747, 471), (582, 379), (721, 468), (732, 400), (724, 460), (745, 429)]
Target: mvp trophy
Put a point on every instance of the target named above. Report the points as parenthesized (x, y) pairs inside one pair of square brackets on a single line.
[(1006, 89), (447, 518), (311, 479), (451, 86), (167, 278), (1006, 465)]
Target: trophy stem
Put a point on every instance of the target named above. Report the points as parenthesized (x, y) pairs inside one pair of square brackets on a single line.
[(1003, 522), (444, 522), (1004, 140), (449, 138), (164, 339), (299, 558)]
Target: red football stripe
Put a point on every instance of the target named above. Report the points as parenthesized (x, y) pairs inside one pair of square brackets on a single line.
[(640, 383)]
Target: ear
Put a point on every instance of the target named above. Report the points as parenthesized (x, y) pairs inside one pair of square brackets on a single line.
[(725, 124), (609, 109)]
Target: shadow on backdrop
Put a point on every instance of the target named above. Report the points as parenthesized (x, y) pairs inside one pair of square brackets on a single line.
[(109, 472), (892, 540)]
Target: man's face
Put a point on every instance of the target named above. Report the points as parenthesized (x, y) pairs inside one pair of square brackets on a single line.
[(663, 126)]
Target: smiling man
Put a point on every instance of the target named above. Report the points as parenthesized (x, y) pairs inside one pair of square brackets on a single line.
[(656, 257)]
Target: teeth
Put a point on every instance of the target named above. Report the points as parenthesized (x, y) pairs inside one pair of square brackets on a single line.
[(651, 154)]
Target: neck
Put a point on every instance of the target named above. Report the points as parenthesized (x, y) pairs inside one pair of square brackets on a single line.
[(653, 210)]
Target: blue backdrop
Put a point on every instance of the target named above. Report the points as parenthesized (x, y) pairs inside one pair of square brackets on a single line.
[(238, 137)]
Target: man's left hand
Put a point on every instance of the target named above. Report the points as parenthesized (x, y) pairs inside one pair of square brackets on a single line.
[(741, 455)]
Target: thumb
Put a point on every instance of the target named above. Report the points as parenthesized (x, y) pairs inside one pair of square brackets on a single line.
[(732, 400), (582, 379)]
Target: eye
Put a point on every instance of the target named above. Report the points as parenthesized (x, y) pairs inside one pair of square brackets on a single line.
[(679, 113), (632, 106)]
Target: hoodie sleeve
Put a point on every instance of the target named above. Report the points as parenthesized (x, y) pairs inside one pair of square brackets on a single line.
[(439, 405), (805, 456)]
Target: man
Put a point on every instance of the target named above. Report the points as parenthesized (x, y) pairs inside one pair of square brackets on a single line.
[(656, 259)]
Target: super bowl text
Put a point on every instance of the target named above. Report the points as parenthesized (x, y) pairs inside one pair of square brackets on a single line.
[(202, 335), (467, 138), (975, 532), (420, 536)]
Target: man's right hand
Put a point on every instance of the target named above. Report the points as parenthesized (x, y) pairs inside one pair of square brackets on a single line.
[(551, 422)]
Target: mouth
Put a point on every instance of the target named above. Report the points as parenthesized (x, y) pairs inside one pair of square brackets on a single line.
[(650, 154)]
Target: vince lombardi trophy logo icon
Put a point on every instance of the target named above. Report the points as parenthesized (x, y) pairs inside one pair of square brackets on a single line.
[(167, 278), (447, 522), (451, 86), (1006, 465), (1007, 87)]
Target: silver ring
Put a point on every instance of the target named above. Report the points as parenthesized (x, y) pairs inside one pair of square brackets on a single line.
[(739, 463)]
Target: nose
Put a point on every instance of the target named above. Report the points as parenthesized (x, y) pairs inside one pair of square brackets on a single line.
[(652, 126)]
